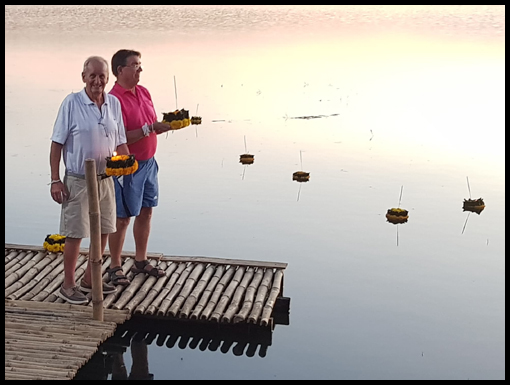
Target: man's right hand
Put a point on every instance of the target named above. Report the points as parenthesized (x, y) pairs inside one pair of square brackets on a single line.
[(160, 127), (59, 192)]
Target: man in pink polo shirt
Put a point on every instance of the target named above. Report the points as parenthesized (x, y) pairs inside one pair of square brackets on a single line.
[(138, 193)]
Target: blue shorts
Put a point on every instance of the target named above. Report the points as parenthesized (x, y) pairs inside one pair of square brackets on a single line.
[(137, 190)]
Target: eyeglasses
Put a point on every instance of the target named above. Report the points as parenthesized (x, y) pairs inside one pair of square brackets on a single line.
[(136, 67)]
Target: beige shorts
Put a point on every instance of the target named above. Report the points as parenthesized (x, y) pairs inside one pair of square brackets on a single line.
[(75, 214)]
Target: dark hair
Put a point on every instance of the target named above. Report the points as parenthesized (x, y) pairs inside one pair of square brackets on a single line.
[(120, 57)]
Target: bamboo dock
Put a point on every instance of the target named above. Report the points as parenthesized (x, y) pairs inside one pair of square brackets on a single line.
[(194, 288), (231, 293)]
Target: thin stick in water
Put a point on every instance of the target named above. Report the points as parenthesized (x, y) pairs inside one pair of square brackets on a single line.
[(196, 113), (401, 188), (175, 87), (245, 148), (465, 223), (468, 187)]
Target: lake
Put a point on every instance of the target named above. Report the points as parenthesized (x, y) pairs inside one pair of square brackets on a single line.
[(384, 106)]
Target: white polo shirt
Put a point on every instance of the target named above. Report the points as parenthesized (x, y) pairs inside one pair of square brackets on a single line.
[(87, 132)]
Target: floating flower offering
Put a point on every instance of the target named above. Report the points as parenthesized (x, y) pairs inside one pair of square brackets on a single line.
[(397, 215), (118, 165), (54, 243), (246, 158), (177, 119), (196, 120), (301, 176), (474, 205)]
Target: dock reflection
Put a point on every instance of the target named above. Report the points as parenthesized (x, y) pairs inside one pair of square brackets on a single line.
[(140, 332)]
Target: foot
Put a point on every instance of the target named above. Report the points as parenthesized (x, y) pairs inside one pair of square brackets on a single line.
[(117, 277), (146, 268), (72, 295)]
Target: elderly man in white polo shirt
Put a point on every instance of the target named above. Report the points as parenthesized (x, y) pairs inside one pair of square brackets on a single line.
[(89, 125)]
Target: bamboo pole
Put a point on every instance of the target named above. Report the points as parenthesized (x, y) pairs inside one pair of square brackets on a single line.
[(208, 292), (95, 238), (261, 296), (227, 294), (236, 299), (217, 292), (153, 292), (271, 299), (186, 290), (250, 296), (197, 291), (167, 301)]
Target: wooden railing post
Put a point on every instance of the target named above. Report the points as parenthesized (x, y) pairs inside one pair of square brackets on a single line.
[(95, 256)]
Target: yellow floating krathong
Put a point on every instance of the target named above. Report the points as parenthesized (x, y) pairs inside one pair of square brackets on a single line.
[(118, 165), (177, 119), (54, 243)]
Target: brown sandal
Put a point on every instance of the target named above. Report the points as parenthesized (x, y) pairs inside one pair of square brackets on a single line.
[(141, 267), (117, 279)]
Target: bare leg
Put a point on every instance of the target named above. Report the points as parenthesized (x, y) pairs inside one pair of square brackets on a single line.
[(141, 231), (71, 253), (116, 241)]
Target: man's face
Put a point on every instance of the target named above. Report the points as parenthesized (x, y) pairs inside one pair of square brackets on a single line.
[(95, 77), (130, 73)]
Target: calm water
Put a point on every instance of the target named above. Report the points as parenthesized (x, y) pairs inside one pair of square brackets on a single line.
[(401, 98)]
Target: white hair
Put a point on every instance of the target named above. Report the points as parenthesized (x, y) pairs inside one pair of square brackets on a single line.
[(94, 59)]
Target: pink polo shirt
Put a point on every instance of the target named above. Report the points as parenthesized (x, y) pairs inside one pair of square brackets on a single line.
[(136, 111)]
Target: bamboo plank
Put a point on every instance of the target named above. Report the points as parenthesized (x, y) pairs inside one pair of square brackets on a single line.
[(16, 260), (227, 294), (129, 291), (250, 296), (217, 292), (126, 267), (271, 300), (22, 268), (261, 296), (225, 261), (197, 291), (186, 290), (236, 299), (32, 277), (153, 292), (220, 269), (145, 288), (167, 301)]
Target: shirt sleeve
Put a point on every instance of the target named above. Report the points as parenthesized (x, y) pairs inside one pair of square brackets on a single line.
[(61, 128)]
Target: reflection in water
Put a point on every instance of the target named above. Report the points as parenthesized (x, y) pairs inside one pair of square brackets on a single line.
[(139, 332)]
